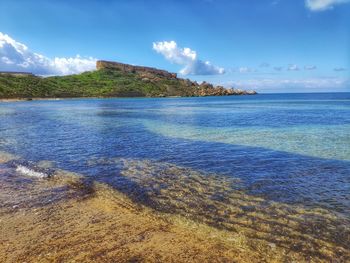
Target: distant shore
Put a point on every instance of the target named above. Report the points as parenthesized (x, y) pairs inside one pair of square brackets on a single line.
[(109, 80), (72, 98), (27, 99)]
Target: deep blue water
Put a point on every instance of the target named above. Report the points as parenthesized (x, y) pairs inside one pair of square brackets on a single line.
[(289, 148)]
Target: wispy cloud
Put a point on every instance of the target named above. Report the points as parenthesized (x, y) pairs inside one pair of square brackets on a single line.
[(264, 65), (272, 84), (321, 5), (15, 56), (246, 70), (310, 67), (339, 69), (278, 68), (293, 67), (187, 58)]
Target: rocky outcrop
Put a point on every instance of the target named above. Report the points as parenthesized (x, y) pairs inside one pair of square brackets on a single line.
[(207, 89), (101, 64)]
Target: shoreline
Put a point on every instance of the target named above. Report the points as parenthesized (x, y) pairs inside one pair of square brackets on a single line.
[(79, 98), (170, 97)]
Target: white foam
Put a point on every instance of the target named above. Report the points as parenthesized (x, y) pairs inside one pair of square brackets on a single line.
[(29, 172)]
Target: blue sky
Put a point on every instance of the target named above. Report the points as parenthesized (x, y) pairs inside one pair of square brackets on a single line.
[(267, 45)]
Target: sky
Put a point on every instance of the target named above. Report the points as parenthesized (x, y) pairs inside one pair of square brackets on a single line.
[(266, 45)]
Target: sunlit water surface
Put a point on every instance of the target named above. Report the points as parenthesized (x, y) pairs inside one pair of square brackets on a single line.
[(287, 150)]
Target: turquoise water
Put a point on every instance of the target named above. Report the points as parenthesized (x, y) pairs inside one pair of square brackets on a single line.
[(287, 148)]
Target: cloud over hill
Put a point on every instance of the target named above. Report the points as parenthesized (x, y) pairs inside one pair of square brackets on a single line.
[(15, 56)]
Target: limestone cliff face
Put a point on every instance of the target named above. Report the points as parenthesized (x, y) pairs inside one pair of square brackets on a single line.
[(101, 64)]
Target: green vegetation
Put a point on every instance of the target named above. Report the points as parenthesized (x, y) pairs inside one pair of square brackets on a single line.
[(100, 83)]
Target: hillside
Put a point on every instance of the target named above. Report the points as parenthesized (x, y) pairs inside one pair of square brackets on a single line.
[(110, 80)]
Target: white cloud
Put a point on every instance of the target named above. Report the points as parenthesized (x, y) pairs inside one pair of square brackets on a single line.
[(320, 5), (15, 56), (310, 67), (293, 67), (187, 58)]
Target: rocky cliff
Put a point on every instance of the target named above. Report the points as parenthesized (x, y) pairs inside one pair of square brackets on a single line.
[(101, 64)]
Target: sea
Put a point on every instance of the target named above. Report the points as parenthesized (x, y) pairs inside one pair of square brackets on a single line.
[(197, 157)]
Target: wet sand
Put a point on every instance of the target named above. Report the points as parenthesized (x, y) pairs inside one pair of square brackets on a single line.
[(76, 225), (68, 219)]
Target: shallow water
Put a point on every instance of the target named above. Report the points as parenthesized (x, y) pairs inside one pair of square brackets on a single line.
[(275, 164)]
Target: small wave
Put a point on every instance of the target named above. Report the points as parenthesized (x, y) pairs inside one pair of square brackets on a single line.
[(30, 172)]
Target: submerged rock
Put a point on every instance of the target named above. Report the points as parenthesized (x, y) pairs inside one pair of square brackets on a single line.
[(7, 157)]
